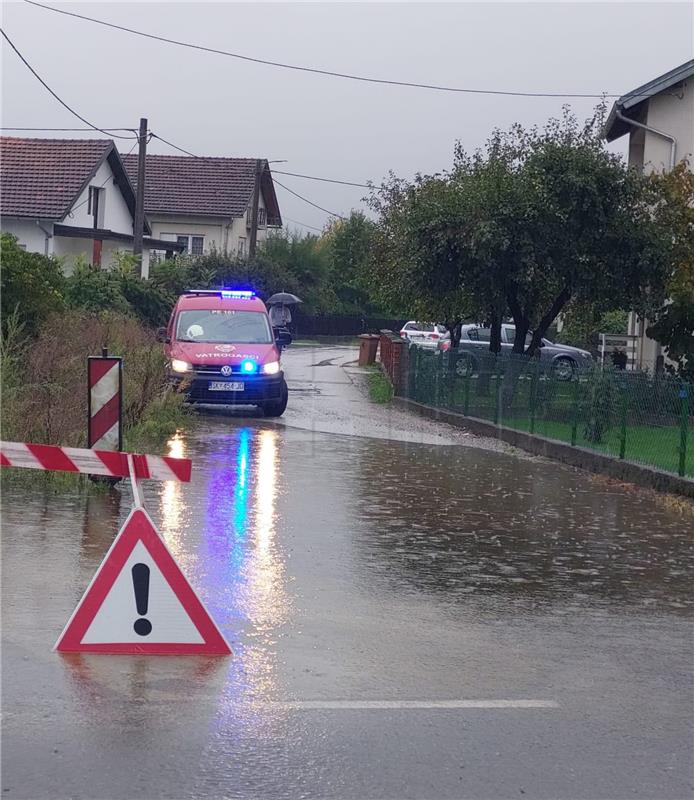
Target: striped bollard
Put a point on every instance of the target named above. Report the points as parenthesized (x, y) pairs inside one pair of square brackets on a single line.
[(105, 402)]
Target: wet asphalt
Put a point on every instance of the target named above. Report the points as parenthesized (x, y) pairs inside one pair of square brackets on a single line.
[(414, 613)]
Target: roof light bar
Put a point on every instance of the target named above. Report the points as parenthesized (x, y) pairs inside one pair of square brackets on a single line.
[(225, 294)]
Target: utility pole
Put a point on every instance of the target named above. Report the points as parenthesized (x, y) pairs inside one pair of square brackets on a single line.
[(139, 224), (254, 212)]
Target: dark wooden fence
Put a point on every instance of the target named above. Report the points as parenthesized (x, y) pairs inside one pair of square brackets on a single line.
[(340, 325)]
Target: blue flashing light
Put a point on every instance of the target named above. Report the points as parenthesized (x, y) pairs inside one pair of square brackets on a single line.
[(237, 294), (249, 367)]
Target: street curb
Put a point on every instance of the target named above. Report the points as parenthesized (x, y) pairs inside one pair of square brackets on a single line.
[(579, 457)]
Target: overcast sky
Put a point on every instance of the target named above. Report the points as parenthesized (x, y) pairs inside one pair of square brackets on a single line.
[(326, 126)]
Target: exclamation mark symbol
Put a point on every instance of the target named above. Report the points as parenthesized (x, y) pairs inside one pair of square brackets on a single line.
[(143, 627)]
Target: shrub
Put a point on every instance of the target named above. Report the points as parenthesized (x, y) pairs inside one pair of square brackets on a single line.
[(46, 400), (93, 289), (31, 284)]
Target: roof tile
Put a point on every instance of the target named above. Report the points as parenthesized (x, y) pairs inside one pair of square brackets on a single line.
[(42, 177), (217, 187)]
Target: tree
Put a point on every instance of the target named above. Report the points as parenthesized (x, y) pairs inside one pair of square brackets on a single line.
[(349, 243), (537, 219), (673, 324), (417, 266), (31, 284), (587, 232)]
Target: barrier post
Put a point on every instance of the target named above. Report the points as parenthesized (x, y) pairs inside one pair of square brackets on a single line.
[(105, 402)]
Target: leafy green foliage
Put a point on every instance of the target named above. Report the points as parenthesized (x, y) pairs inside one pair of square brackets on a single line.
[(322, 271), (673, 324), (120, 290), (537, 219), (349, 244), (584, 324), (30, 284)]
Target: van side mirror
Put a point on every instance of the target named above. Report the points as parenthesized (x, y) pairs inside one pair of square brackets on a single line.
[(283, 337), (162, 336)]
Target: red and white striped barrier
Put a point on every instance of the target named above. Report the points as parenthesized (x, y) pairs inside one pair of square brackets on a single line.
[(105, 378), (94, 462)]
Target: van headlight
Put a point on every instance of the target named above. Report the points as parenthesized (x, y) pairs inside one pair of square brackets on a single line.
[(180, 366), (271, 368)]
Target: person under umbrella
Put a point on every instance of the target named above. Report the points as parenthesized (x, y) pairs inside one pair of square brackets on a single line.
[(280, 315), (278, 305)]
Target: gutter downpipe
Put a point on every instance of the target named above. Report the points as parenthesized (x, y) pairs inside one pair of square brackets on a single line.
[(47, 234), (671, 139)]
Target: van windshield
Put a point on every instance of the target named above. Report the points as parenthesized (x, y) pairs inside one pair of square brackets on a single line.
[(223, 326)]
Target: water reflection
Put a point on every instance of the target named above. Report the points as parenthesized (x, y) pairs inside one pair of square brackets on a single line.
[(171, 503), (240, 552)]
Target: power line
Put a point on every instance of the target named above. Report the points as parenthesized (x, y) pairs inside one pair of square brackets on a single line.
[(286, 188), (326, 180), (46, 86), (4, 128), (315, 70), (310, 202), (175, 146), (303, 224)]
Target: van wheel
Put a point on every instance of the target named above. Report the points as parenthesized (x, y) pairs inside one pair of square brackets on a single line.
[(275, 408)]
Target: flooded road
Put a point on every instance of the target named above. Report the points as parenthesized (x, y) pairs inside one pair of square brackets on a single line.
[(420, 616)]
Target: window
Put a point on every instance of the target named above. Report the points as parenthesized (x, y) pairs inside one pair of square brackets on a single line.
[(478, 334), (195, 245), (510, 335), (262, 217), (222, 326), (241, 249), (95, 205)]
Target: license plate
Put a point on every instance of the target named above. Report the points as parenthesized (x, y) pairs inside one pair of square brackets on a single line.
[(225, 386)]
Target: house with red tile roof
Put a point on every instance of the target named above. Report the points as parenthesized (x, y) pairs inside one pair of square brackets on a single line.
[(69, 198), (206, 203)]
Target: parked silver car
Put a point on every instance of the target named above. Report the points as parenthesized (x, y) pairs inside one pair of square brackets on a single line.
[(563, 360)]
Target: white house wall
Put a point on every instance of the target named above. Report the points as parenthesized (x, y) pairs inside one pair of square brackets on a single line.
[(220, 233), (29, 234), (117, 216), (671, 113)]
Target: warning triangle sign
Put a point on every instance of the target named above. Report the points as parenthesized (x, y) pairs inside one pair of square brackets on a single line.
[(140, 602)]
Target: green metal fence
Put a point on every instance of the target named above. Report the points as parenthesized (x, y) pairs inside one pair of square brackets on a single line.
[(631, 415)]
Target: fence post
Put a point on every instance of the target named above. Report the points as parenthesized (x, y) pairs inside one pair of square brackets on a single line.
[(623, 431), (451, 375), (466, 399), (411, 370), (576, 406), (437, 381), (499, 399), (684, 423), (533, 395)]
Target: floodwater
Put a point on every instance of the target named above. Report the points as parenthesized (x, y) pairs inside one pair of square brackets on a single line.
[(361, 573)]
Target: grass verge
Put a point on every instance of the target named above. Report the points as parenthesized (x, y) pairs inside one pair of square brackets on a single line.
[(162, 418), (380, 387)]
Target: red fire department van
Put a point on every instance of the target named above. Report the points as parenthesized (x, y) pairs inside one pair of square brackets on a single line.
[(222, 350)]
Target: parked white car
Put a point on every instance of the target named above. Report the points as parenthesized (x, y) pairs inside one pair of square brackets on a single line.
[(428, 334)]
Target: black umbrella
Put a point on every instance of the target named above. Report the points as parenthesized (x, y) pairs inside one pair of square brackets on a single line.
[(283, 299)]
